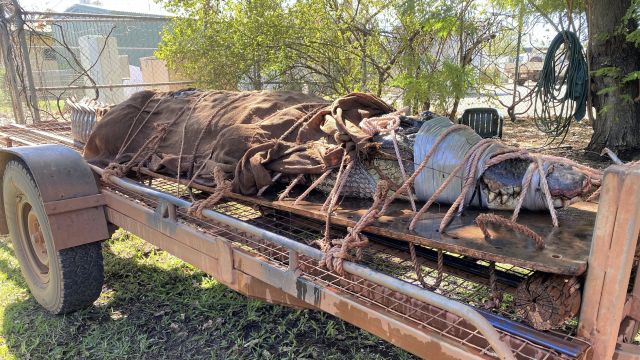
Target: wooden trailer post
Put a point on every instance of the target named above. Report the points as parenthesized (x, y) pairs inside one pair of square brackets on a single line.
[(614, 242)]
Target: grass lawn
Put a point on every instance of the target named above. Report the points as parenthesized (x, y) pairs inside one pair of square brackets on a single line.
[(154, 306)]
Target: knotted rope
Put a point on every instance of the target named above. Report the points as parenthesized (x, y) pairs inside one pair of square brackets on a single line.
[(470, 163), (145, 151), (335, 255), (389, 124), (223, 187)]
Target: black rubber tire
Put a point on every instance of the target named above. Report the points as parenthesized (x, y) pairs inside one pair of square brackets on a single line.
[(61, 281)]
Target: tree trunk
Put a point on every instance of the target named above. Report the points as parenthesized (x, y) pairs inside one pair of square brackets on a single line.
[(617, 125), (456, 100)]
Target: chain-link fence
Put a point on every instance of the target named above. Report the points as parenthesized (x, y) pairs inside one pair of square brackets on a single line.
[(50, 57)]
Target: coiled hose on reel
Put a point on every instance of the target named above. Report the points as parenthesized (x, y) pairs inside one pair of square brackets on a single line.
[(561, 91)]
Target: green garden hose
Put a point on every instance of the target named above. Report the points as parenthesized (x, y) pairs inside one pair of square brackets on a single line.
[(561, 91)]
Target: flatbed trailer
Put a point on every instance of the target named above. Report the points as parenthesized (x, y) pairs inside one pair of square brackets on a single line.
[(265, 252)]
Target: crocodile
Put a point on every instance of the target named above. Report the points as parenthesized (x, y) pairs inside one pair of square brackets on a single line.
[(499, 185), (230, 125)]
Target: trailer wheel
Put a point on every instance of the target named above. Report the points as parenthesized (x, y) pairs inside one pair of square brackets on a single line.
[(61, 281)]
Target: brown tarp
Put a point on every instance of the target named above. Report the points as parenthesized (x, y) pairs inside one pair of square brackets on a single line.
[(240, 132)]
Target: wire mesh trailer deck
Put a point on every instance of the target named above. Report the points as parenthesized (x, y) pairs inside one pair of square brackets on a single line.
[(267, 253)]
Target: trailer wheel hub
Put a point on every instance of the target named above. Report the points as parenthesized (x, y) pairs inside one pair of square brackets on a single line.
[(33, 239)]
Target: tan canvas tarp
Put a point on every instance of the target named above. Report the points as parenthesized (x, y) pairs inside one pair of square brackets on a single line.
[(240, 132)]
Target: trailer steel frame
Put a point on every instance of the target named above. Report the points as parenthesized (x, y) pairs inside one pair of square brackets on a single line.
[(232, 245)]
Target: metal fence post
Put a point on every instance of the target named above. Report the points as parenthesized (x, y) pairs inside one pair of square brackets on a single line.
[(32, 97), (10, 66)]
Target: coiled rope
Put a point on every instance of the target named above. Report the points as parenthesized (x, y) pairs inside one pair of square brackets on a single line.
[(561, 91)]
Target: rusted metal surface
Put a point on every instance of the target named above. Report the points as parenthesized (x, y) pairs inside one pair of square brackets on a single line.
[(487, 331), (195, 248), (389, 301), (413, 319), (566, 251), (42, 133), (574, 348), (73, 204), (368, 316), (614, 244), (63, 178), (566, 248), (50, 135)]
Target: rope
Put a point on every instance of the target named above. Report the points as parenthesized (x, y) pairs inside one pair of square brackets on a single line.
[(483, 219), (439, 269), (373, 126), (416, 265), (127, 141), (190, 174), (286, 191), (146, 150), (407, 183), (595, 195), (184, 130), (334, 256), (315, 110), (314, 185), (337, 187), (380, 124), (468, 184), (526, 182), (396, 148), (561, 91), (494, 296), (448, 180), (546, 192), (223, 187), (332, 199)]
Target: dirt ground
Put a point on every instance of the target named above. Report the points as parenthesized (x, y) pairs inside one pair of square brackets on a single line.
[(524, 134)]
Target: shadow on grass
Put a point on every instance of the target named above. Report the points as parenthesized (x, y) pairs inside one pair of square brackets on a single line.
[(13, 273), (156, 307)]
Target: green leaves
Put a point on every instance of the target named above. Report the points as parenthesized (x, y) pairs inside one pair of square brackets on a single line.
[(634, 75), (331, 47), (609, 71), (227, 45)]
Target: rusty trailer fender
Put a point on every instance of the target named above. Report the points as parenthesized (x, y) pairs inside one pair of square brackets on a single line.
[(68, 188)]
